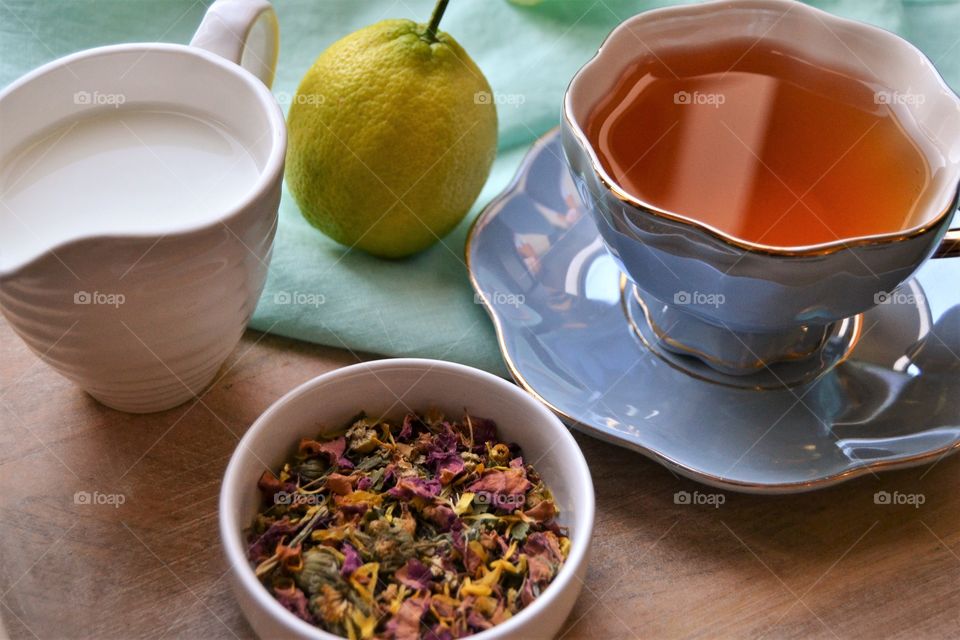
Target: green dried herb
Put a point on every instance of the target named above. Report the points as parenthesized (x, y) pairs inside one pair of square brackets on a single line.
[(423, 528)]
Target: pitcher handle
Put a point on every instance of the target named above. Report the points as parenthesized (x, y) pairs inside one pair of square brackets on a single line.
[(244, 32)]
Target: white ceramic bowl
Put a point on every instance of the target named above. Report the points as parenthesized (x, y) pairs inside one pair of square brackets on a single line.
[(391, 387)]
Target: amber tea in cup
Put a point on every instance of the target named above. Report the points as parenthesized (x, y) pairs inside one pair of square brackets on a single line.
[(761, 144)]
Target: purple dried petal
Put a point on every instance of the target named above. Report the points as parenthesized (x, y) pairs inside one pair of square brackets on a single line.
[(438, 633), (543, 561), (262, 546), (295, 602), (405, 624), (389, 473), (456, 537), (332, 451), (528, 592), (441, 515), (450, 468), (415, 575), (354, 508), (364, 483), (406, 431), (351, 560), (477, 622), (446, 464), (540, 571), (504, 489), (543, 544), (483, 430), (444, 442), (270, 485), (544, 511), (411, 486), (503, 544)]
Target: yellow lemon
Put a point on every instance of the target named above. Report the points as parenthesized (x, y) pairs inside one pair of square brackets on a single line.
[(392, 133)]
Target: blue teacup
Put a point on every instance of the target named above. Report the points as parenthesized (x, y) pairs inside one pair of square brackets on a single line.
[(738, 305)]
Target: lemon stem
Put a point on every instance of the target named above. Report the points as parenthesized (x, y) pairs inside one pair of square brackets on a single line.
[(438, 10)]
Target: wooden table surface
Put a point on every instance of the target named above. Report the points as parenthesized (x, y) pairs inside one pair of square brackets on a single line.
[(831, 564)]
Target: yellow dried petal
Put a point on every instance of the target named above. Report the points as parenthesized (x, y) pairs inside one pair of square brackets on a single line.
[(365, 625), (477, 549), (463, 504), (360, 496), (490, 578), (364, 580), (471, 589), (505, 565)]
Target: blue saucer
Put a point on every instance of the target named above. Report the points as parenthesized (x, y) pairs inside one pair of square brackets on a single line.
[(564, 326)]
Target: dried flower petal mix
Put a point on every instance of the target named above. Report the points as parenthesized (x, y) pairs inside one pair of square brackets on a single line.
[(424, 528)]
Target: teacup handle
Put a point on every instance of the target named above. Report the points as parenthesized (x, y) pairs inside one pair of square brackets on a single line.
[(950, 245), (244, 32)]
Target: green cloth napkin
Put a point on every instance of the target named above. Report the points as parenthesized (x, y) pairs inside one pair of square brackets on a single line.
[(422, 306)]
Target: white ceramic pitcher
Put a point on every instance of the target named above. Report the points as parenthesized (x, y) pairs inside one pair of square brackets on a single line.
[(143, 321)]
